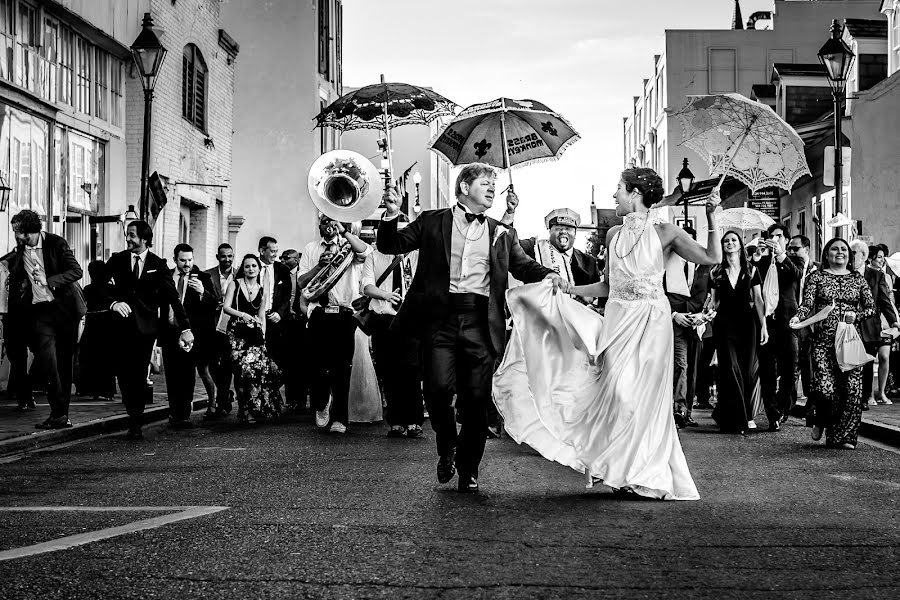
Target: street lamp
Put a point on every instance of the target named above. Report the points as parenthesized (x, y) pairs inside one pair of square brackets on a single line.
[(148, 54), (685, 181), (417, 179), (837, 58)]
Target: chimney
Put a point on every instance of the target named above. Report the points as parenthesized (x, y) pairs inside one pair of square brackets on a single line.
[(737, 20)]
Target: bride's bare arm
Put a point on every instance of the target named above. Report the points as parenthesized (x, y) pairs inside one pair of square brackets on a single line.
[(676, 239), (601, 288)]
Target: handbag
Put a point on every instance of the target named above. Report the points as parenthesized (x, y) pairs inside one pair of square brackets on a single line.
[(361, 311), (849, 348)]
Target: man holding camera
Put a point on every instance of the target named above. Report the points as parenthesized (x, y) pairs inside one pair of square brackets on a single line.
[(330, 322)]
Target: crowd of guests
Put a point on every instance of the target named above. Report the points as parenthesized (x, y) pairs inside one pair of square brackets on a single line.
[(742, 327)]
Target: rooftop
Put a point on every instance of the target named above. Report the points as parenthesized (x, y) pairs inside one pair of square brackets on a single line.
[(867, 28), (801, 69)]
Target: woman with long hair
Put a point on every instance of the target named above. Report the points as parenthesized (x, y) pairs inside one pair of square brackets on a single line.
[(739, 324), (256, 378), (838, 393), (595, 393)]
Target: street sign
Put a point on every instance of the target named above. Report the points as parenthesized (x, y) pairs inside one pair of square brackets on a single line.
[(766, 201)]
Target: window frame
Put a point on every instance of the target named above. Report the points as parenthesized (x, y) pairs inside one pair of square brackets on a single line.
[(710, 70), (192, 111)]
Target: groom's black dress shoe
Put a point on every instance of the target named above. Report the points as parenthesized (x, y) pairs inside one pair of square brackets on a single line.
[(680, 419), (445, 468), (467, 484)]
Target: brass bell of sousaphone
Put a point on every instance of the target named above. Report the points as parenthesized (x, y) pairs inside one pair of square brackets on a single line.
[(345, 186)]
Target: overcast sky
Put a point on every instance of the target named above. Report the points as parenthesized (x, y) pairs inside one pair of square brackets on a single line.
[(585, 59)]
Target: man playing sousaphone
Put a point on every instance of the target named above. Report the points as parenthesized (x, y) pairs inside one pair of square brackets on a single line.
[(330, 319)]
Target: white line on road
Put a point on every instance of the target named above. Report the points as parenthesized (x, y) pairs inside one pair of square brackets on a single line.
[(184, 513)]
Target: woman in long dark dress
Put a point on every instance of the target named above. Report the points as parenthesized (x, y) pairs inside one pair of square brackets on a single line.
[(737, 300), (257, 379), (838, 392), (95, 373)]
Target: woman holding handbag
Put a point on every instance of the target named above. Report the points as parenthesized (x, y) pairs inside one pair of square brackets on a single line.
[(838, 392)]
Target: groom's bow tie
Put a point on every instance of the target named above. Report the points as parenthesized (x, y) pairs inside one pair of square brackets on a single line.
[(472, 216)]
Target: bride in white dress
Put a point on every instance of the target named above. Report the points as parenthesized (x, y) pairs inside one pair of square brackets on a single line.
[(595, 393)]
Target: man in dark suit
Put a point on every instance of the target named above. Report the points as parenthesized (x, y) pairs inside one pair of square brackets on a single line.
[(220, 276), (687, 314), (45, 294), (700, 373), (138, 287), (798, 251), (15, 346), (195, 294), (776, 358), (456, 305), (275, 279)]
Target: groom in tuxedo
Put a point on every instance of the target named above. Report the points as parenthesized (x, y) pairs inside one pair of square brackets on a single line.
[(456, 301)]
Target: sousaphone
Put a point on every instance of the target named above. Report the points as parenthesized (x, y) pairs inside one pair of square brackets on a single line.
[(345, 186)]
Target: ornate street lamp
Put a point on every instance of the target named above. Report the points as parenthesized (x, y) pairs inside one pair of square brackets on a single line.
[(148, 55), (837, 58), (417, 179), (685, 181)]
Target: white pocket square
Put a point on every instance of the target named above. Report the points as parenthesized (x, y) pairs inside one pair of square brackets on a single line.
[(150, 271)]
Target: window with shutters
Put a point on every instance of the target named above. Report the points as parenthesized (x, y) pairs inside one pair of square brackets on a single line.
[(324, 27), (7, 39), (194, 82), (84, 64)]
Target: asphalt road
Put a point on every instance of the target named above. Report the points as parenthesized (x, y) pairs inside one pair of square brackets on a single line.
[(362, 516)]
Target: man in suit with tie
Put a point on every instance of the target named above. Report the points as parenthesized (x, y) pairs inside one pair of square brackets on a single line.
[(220, 276), (138, 287), (46, 298), (294, 342), (776, 358), (195, 294), (456, 305), (275, 279)]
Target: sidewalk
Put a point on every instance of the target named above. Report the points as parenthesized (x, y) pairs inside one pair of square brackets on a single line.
[(89, 418)]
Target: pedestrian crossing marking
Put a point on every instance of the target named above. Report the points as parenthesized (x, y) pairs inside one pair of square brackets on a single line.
[(177, 513)]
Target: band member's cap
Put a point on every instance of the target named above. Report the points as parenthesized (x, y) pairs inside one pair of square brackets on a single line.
[(562, 216)]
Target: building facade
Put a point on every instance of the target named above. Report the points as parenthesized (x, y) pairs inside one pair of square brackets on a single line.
[(288, 74), (71, 120), (721, 61)]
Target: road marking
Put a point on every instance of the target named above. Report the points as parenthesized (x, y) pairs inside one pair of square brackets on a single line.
[(183, 513), (220, 448)]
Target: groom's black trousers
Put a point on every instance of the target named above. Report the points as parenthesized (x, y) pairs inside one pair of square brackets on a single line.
[(459, 358)]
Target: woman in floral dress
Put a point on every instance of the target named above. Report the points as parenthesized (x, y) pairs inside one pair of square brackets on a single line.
[(256, 377), (838, 393)]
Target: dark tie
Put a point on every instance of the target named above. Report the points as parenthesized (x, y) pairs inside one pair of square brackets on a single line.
[(137, 267), (181, 287)]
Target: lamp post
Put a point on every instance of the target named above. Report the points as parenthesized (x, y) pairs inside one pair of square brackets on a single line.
[(837, 58), (148, 54), (417, 179), (685, 181)]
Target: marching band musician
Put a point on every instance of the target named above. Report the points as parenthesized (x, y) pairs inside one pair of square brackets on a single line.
[(330, 322), (396, 353)]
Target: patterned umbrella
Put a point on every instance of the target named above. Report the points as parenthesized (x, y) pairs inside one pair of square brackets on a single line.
[(742, 138), (385, 106), (505, 133), (743, 219)]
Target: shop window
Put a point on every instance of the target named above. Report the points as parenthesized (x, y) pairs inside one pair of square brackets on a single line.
[(86, 173), (193, 87), (117, 89)]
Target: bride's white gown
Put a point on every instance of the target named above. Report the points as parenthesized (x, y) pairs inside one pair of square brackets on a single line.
[(595, 393)]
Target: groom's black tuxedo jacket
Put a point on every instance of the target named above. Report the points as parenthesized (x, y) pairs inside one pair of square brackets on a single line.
[(428, 298)]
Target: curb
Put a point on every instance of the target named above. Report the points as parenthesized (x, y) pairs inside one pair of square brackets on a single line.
[(882, 432), (42, 439)]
